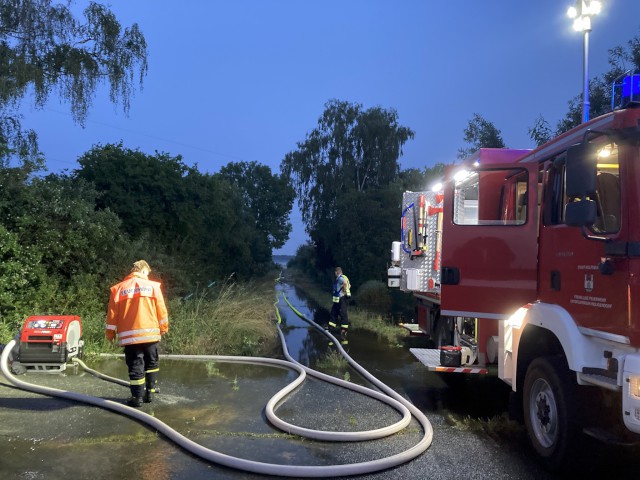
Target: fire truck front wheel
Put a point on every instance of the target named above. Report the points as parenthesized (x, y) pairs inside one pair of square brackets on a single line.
[(549, 413)]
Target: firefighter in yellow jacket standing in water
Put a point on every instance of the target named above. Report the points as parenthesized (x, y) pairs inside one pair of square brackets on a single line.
[(341, 295), (138, 318)]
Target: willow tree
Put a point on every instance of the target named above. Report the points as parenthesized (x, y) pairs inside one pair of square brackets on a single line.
[(45, 49)]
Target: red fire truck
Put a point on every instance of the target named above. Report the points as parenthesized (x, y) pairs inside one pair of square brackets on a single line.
[(530, 260)]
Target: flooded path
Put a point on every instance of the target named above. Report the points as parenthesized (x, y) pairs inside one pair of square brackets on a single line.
[(393, 365), (221, 406)]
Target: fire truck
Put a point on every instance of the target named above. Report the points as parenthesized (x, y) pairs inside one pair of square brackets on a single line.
[(529, 260)]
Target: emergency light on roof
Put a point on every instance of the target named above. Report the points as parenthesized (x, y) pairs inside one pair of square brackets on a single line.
[(626, 90)]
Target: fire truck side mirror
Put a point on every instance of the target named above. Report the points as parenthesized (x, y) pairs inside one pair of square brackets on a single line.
[(581, 171), (581, 213), (580, 185)]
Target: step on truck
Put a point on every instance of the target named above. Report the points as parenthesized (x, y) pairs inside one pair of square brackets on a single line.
[(529, 260)]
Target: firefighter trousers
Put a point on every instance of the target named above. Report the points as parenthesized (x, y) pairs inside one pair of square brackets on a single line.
[(340, 315), (142, 361)]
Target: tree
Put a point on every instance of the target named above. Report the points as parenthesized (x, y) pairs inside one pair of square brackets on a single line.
[(44, 47), (340, 173), (351, 148), (143, 190), (220, 236), (198, 225), (268, 196), (20, 272), (480, 133), (416, 180), (60, 220), (366, 225), (56, 250), (541, 132)]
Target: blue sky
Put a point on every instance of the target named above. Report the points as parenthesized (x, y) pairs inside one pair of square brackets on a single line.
[(245, 80)]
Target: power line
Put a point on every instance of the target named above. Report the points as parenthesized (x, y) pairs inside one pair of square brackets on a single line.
[(154, 137)]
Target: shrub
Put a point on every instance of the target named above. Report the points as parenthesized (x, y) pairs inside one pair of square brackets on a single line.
[(374, 296)]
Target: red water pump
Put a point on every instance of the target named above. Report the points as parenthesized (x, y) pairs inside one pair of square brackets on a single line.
[(49, 342)]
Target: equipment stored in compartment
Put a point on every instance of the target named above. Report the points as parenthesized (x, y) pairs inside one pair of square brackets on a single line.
[(450, 356)]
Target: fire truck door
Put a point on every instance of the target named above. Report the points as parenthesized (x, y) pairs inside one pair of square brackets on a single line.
[(576, 272), (490, 241)]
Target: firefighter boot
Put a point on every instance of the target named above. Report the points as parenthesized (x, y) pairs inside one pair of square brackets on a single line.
[(136, 394), (134, 402), (152, 385)]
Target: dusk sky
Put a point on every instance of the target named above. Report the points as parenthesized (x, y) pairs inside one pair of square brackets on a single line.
[(245, 80)]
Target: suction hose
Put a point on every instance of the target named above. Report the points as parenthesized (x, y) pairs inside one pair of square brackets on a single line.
[(250, 465)]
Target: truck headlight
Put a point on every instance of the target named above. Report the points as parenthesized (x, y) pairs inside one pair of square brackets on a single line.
[(634, 386)]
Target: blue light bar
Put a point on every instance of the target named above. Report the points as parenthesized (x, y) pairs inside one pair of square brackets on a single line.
[(626, 90), (630, 87)]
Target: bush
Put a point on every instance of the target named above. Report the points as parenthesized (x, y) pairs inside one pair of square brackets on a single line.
[(374, 296)]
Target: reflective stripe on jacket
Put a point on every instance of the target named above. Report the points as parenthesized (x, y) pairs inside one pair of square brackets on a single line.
[(137, 312), (341, 287)]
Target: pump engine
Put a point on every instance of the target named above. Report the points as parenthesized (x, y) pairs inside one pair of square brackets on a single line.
[(49, 342)]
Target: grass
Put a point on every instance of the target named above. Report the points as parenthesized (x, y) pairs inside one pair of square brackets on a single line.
[(213, 370), (392, 334), (230, 319), (234, 319), (498, 427), (332, 361)]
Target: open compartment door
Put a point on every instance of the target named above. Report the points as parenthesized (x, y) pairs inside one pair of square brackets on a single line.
[(490, 240)]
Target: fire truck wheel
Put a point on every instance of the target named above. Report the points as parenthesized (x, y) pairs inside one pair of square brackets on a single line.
[(443, 335), (549, 415)]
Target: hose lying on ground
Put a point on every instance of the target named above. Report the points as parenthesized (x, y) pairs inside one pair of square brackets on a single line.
[(391, 398)]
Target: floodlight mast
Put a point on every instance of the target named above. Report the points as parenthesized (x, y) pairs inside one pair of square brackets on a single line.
[(581, 14)]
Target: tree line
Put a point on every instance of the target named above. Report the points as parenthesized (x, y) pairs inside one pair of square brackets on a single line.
[(64, 238)]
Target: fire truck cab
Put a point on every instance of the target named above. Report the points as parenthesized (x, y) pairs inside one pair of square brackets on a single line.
[(530, 260)]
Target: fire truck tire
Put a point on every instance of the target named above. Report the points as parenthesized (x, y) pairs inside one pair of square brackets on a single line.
[(549, 412), (443, 336)]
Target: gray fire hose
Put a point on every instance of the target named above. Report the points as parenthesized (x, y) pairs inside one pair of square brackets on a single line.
[(389, 397)]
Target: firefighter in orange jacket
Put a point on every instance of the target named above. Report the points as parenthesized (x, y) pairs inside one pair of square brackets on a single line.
[(138, 318)]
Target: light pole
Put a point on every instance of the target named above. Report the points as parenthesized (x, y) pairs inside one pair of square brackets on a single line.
[(581, 14)]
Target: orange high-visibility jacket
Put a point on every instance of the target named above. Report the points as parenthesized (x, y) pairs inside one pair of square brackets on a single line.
[(137, 313)]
